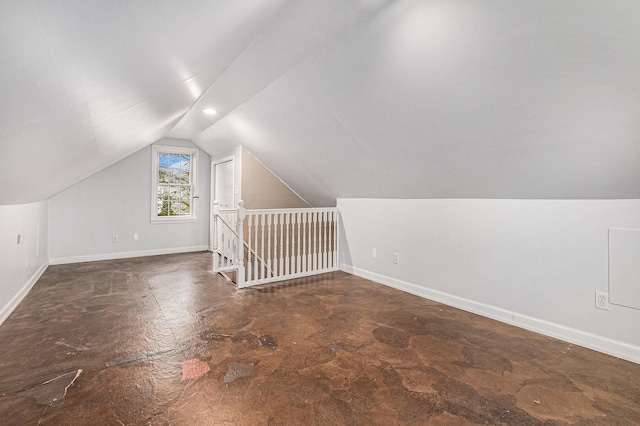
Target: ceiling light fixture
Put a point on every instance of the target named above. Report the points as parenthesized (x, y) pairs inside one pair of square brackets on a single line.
[(210, 111)]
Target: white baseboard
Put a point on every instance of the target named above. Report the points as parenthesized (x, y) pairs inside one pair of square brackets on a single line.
[(26, 288), (571, 335), (125, 255)]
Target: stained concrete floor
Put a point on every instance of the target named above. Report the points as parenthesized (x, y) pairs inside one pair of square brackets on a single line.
[(162, 341)]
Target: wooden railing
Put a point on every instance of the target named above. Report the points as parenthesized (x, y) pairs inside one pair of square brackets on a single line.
[(276, 244)]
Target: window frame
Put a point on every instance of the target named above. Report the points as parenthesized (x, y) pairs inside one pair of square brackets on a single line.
[(156, 150)]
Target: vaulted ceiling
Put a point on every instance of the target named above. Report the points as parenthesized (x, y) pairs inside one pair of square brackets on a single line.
[(340, 98)]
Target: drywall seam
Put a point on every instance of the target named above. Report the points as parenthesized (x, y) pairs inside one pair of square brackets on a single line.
[(125, 255), (571, 335), (15, 300)]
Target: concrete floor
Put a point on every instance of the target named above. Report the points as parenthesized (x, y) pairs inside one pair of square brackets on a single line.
[(162, 341)]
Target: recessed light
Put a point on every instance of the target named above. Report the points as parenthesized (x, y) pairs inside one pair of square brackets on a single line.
[(210, 111)]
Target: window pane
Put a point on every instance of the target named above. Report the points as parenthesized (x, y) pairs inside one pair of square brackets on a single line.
[(162, 201), (163, 175), (180, 200), (174, 161), (173, 175), (163, 159), (185, 162), (185, 192), (174, 200), (181, 208), (174, 168), (164, 209), (185, 168), (177, 176), (163, 169), (174, 192), (186, 200)]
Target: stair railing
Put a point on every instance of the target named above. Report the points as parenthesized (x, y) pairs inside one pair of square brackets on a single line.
[(280, 244), (228, 242), (291, 243)]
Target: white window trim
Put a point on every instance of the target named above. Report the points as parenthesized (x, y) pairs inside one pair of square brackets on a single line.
[(157, 149)]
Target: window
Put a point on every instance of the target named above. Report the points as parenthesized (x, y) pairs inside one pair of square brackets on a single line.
[(173, 191)]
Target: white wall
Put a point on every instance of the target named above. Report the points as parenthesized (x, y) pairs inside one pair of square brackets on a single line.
[(116, 201), (262, 189), (533, 263), (21, 265)]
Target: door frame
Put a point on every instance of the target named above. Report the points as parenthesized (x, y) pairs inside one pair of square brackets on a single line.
[(214, 163)]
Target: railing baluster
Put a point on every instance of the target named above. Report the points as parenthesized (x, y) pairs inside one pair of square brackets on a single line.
[(256, 272), (335, 240), (327, 250), (322, 245), (215, 259), (239, 243), (304, 242), (315, 240), (262, 224), (309, 233), (299, 243), (268, 265), (281, 216), (314, 251), (287, 259), (274, 264), (310, 243), (249, 251), (294, 246), (228, 255), (321, 241), (331, 247)]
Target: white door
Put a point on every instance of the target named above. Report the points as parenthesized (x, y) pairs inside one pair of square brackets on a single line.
[(223, 183), (222, 186)]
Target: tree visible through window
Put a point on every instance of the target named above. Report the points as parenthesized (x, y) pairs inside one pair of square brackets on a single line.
[(174, 182)]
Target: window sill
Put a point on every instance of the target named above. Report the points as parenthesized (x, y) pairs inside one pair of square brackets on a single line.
[(155, 221)]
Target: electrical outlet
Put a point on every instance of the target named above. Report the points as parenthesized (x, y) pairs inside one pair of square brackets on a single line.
[(135, 236), (114, 239), (374, 253), (602, 300), (396, 258), (20, 238)]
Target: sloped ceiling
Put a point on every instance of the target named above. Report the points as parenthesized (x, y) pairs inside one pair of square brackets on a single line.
[(359, 98)]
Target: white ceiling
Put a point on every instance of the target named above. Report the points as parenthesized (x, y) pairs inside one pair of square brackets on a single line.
[(340, 98)]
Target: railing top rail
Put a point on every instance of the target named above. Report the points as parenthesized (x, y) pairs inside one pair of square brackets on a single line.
[(297, 210)]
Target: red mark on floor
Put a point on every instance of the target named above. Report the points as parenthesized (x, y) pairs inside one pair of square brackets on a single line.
[(193, 369)]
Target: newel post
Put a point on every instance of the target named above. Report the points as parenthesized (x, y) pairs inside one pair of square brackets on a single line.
[(214, 237), (242, 212)]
